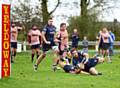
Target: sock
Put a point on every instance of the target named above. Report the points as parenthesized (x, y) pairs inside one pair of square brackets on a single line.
[(14, 53), (109, 60), (33, 57), (38, 54)]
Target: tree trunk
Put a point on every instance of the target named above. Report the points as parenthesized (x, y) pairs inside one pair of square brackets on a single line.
[(83, 6), (45, 12)]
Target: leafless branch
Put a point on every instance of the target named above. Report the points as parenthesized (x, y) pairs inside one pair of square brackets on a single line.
[(55, 7)]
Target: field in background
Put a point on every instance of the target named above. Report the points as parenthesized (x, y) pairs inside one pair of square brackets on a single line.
[(23, 75)]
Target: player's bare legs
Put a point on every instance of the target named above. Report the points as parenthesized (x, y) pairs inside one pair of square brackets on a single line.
[(13, 54), (38, 52), (39, 60), (32, 55)]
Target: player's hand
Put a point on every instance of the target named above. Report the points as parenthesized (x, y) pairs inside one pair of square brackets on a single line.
[(56, 40), (41, 46), (29, 44), (81, 66)]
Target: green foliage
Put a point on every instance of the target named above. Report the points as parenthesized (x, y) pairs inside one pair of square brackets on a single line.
[(26, 15), (87, 26)]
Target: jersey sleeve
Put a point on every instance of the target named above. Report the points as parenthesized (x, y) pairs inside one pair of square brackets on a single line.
[(55, 29), (44, 29)]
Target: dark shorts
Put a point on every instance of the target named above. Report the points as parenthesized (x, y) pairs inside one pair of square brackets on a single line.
[(100, 46), (35, 46), (87, 68), (91, 63), (14, 45), (68, 68), (74, 45), (61, 52), (105, 46), (46, 47)]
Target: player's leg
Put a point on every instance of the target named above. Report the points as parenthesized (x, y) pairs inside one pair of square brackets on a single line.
[(38, 50), (32, 55), (45, 47), (56, 57), (93, 71), (12, 55), (39, 60), (103, 52), (61, 64), (13, 51), (108, 56), (111, 50)]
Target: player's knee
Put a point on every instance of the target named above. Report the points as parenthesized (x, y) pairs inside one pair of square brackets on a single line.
[(93, 71), (38, 52), (33, 52)]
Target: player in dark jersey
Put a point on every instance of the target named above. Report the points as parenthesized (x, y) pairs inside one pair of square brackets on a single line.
[(48, 34), (75, 39), (69, 68), (88, 65), (79, 57)]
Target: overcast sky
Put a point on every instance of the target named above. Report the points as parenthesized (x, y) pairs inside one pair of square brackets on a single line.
[(62, 13)]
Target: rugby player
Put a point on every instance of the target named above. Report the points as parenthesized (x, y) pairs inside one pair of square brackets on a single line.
[(48, 35), (69, 68), (75, 39), (88, 65), (62, 39), (14, 35), (106, 43), (35, 40)]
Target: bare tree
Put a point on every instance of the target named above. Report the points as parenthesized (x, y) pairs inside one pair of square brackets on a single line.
[(45, 13)]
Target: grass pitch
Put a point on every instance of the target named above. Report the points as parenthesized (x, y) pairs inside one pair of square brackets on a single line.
[(23, 75)]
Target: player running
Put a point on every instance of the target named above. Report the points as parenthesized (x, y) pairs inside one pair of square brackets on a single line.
[(62, 40), (48, 34), (14, 35), (35, 40)]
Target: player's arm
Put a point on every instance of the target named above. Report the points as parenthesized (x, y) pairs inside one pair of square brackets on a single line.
[(83, 72), (86, 57), (56, 37), (99, 38), (40, 39), (43, 35), (81, 66), (29, 39)]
